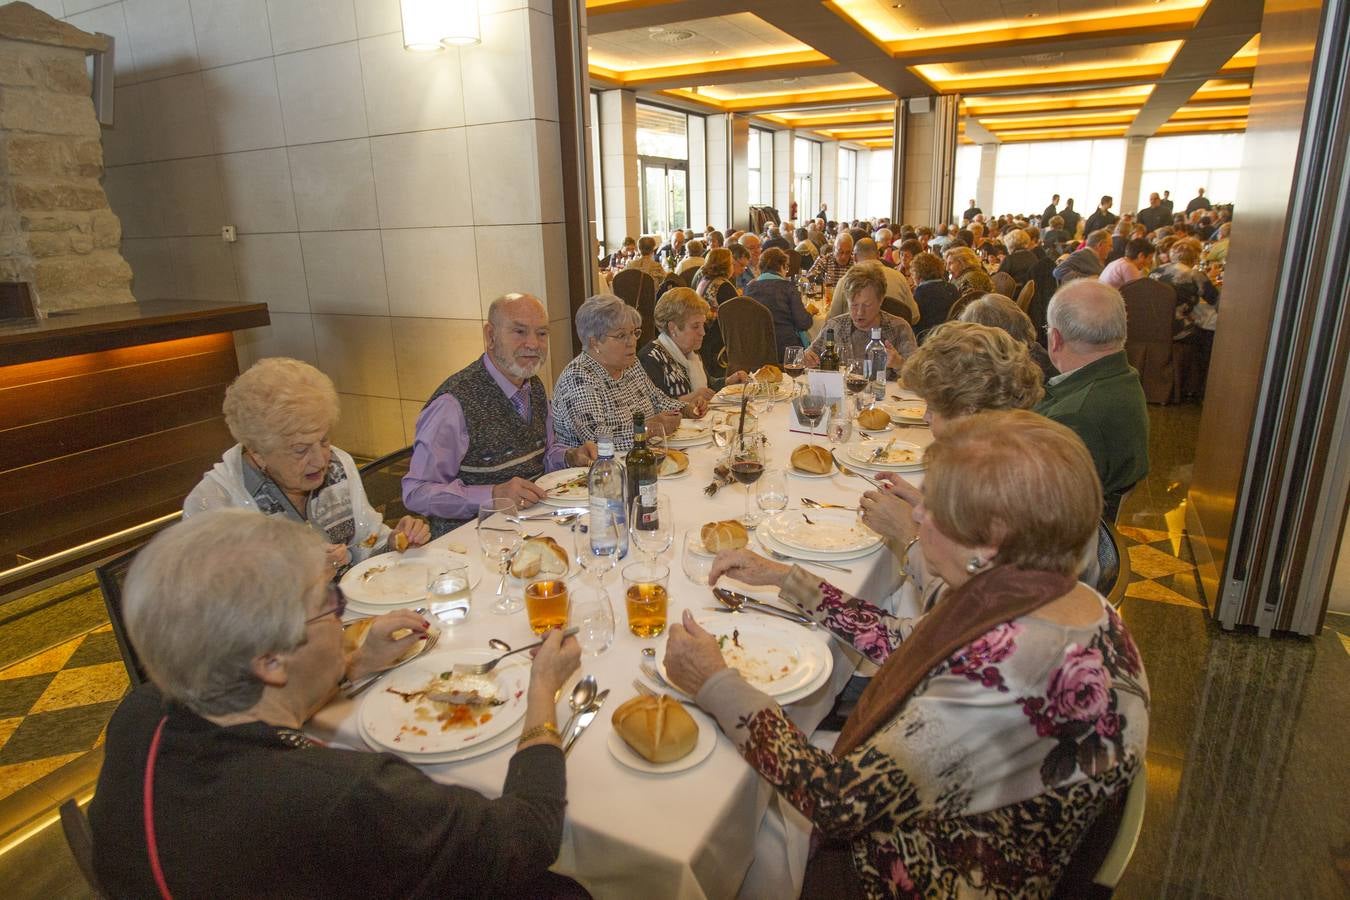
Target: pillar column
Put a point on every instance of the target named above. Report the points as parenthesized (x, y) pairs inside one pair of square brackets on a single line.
[(719, 168), (782, 177), (929, 150), (829, 177), (619, 167), (1134, 172), (739, 190), (984, 188)]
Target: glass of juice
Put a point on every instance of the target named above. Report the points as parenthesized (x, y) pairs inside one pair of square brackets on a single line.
[(645, 595), (546, 605)]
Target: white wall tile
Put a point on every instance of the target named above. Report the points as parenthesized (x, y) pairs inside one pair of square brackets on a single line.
[(289, 334), (256, 190), (54, 8), (244, 107), (427, 351), (269, 269), (357, 352), (493, 6), (369, 426), (334, 186), (301, 24), (345, 273), (191, 196), (321, 94), (134, 194), (554, 240), (411, 409), (422, 178), (548, 157), (78, 6), (176, 120), (110, 20), (151, 261), (559, 349), (510, 258), (203, 269), (432, 272), (408, 91), (496, 73), (162, 40), (543, 66), (505, 173), (124, 142), (378, 17), (230, 31)]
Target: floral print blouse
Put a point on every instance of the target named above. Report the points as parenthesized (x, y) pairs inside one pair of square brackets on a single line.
[(990, 773)]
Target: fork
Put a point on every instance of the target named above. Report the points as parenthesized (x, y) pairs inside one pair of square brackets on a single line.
[(484, 668), (655, 675), (359, 688), (643, 689), (783, 557), (816, 504)]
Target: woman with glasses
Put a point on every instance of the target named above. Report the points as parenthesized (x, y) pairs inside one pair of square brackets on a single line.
[(281, 412), (604, 385), (209, 786)]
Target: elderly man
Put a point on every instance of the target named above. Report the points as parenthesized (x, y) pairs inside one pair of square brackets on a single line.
[(830, 267), (862, 288), (897, 285), (646, 259), (1155, 215), (1087, 262), (1097, 394), (776, 239), (487, 431), (673, 249), (754, 246)]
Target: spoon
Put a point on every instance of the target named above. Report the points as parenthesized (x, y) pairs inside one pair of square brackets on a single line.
[(582, 695), (499, 644)]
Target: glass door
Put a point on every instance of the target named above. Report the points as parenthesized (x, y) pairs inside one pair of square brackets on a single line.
[(665, 196)]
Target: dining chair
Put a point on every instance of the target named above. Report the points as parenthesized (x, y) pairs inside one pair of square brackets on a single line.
[(383, 480), (893, 306), (1127, 835), (747, 331), (794, 259), (1113, 562), (1026, 295), (638, 289), (80, 839), (1004, 284), (111, 576)]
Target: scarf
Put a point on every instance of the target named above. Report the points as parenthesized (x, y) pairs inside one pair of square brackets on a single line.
[(693, 364), (988, 600)]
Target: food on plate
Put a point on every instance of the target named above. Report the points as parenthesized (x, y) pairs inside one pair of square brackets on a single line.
[(768, 374), (372, 572), (897, 456), (572, 487), (812, 458), (454, 700), (725, 535), (371, 540), (873, 419), (760, 669), (659, 729), (540, 557), (733, 390), (911, 412), (673, 462), (399, 541)]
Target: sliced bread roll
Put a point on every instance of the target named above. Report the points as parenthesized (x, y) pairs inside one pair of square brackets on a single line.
[(768, 374), (812, 458), (659, 729), (873, 419), (727, 535), (540, 557)]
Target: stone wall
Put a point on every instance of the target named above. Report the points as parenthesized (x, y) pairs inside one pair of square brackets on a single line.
[(57, 231)]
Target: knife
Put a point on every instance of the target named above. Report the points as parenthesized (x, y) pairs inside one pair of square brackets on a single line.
[(780, 613), (585, 719)]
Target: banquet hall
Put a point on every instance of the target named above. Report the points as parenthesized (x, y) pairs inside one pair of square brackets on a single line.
[(238, 237)]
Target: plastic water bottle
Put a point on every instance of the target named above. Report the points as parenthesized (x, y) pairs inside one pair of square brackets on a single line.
[(608, 502), (875, 358)]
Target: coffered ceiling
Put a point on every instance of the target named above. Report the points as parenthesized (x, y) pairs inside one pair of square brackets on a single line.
[(1025, 70)]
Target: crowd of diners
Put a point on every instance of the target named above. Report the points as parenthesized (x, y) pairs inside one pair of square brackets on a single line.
[(986, 757)]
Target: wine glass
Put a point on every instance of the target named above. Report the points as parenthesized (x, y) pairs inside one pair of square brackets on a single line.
[(596, 546), (771, 492), (697, 563), (794, 364), (855, 379), (809, 408), (651, 532), (592, 614), (499, 538), (746, 458), (841, 422)]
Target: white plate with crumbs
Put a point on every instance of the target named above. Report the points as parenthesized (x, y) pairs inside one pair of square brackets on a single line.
[(822, 531), (566, 487), (391, 580), (775, 656)]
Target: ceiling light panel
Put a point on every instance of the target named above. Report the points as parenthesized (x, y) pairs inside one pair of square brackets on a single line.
[(738, 36)]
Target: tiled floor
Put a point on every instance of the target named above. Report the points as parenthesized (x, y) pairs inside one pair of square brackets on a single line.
[(1247, 784)]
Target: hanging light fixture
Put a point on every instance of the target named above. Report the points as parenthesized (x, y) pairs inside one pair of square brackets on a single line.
[(433, 24)]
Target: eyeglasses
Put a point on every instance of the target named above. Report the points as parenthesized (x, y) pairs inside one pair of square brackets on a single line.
[(339, 601), (621, 336)]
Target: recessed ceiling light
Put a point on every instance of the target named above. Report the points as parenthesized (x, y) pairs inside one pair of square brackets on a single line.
[(656, 29), (1033, 15), (673, 36)]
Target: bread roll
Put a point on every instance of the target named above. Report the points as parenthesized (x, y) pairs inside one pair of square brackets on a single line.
[(873, 419), (540, 557), (659, 729), (399, 541), (727, 535), (673, 462), (768, 374), (812, 458)]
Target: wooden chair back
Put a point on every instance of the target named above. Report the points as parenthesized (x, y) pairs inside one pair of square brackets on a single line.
[(638, 289), (111, 576), (893, 306), (1026, 295), (747, 331), (383, 480), (80, 839)]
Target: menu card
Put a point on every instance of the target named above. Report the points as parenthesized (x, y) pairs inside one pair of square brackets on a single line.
[(829, 384)]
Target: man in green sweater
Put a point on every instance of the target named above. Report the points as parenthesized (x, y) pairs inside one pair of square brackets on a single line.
[(1097, 394)]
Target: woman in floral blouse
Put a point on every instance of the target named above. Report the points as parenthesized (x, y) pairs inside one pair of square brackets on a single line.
[(1000, 724)]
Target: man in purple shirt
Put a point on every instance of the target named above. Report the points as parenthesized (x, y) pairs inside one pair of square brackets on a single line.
[(487, 431)]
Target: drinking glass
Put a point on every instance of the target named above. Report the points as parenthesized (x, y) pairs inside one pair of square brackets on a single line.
[(546, 605), (841, 421), (771, 492), (448, 593), (723, 428), (652, 537), (646, 597), (854, 378), (794, 364), (499, 537), (747, 456), (595, 556), (593, 616), (809, 408), (697, 564)]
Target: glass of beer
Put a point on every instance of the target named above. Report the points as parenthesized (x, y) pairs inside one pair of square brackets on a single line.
[(646, 597), (546, 605)]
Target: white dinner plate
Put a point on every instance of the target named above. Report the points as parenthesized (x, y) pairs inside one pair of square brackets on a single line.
[(770, 543), (507, 738), (390, 580), (871, 431), (411, 728), (573, 496), (661, 468), (909, 411), (862, 454), (786, 655), (800, 474), (691, 433), (836, 531), (707, 740)]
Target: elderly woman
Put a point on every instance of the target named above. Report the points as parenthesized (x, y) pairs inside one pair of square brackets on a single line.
[(600, 389), (998, 311), (1020, 260), (1000, 725), (863, 287), (968, 277), (779, 295), (240, 630), (672, 361), (280, 412), (933, 293)]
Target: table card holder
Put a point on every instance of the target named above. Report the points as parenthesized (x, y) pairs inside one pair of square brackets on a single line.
[(829, 384)]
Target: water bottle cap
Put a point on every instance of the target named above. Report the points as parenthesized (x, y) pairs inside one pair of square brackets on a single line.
[(876, 334), (605, 448)]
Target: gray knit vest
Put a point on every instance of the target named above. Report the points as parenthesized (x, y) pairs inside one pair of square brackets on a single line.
[(501, 445)]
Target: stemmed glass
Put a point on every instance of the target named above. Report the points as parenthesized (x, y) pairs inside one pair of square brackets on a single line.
[(499, 538), (809, 408), (653, 537), (854, 378), (747, 456), (794, 365), (596, 548), (771, 492)]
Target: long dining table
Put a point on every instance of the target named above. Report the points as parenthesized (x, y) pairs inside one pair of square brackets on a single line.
[(714, 830)]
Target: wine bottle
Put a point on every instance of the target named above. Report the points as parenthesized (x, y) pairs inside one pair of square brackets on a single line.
[(829, 356), (642, 467)]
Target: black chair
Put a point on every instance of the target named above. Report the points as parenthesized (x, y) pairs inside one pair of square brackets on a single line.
[(1113, 562), (81, 842), (111, 575), (638, 289), (893, 306), (383, 481), (794, 263), (747, 330)]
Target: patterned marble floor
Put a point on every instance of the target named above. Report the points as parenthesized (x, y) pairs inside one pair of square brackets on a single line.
[(1246, 777)]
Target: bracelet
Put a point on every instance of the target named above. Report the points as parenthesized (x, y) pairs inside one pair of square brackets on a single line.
[(548, 729), (904, 555)]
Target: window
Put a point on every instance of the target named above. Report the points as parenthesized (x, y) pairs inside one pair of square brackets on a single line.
[(966, 179), (1029, 174), (805, 176), (597, 180), (663, 164), (876, 196), (848, 179), (1181, 163), (752, 163)]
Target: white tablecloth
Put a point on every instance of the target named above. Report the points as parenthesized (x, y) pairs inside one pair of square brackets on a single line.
[(694, 834)]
